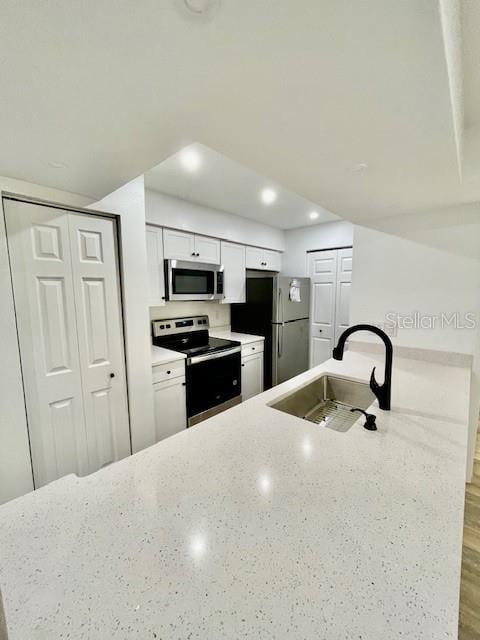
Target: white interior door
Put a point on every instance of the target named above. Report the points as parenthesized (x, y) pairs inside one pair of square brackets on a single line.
[(65, 278), (344, 285), (323, 274), (100, 337), (39, 244)]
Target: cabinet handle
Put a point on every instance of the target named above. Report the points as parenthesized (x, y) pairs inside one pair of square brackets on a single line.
[(320, 331), (193, 253), (112, 375), (243, 365), (169, 372), (198, 255), (184, 384)]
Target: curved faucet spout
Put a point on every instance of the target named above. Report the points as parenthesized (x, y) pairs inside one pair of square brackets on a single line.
[(382, 391)]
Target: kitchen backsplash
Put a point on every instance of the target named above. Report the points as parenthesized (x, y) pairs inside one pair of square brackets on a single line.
[(218, 314)]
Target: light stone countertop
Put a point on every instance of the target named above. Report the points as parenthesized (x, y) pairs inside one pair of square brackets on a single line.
[(160, 355), (228, 334), (256, 524)]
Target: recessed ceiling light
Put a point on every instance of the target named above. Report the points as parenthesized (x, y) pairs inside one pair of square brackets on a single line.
[(268, 196), (313, 215), (190, 160), (361, 166), (197, 6), (57, 165)]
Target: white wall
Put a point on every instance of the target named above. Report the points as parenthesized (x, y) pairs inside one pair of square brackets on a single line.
[(218, 314), (167, 211), (392, 274), (15, 464), (129, 203), (322, 236)]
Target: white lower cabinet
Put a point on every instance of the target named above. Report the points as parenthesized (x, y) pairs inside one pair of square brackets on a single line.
[(170, 407), (252, 375)]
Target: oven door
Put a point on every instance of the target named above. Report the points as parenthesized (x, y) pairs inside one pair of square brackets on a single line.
[(213, 380), (193, 280)]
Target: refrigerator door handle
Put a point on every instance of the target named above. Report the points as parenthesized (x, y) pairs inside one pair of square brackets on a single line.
[(280, 326), (280, 340)]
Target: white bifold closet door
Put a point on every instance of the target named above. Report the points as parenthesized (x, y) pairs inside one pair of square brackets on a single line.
[(331, 279), (67, 301)]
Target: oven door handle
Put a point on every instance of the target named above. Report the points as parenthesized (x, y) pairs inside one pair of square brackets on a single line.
[(213, 356)]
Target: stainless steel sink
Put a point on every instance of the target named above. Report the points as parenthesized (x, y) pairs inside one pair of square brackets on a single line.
[(327, 402)]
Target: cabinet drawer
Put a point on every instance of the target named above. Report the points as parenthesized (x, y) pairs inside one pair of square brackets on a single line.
[(252, 348), (168, 370)]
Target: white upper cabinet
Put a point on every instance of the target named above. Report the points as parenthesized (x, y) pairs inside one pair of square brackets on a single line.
[(178, 245), (233, 260), (263, 259), (207, 249), (273, 260), (254, 258), (181, 245), (156, 278)]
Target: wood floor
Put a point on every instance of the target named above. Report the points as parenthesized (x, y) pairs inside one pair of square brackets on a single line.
[(469, 627)]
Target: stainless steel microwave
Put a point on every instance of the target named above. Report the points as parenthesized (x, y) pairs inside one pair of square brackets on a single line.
[(186, 280)]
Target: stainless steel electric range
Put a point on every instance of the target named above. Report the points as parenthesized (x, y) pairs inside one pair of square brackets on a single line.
[(213, 365)]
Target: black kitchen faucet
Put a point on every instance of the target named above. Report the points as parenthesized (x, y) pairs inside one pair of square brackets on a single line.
[(382, 391)]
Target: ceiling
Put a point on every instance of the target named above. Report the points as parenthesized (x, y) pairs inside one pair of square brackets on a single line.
[(300, 92), (221, 183)]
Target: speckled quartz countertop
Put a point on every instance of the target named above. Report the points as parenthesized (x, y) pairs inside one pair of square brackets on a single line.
[(228, 334), (160, 355), (256, 524)]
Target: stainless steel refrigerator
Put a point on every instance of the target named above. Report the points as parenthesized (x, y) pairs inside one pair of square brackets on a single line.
[(270, 311)]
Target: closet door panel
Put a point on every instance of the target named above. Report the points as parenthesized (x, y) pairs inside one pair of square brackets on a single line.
[(39, 245), (344, 285), (323, 275), (100, 332)]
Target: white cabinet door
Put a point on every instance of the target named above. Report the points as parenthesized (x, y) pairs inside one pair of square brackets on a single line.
[(323, 274), (100, 338), (156, 271), (170, 407), (263, 259), (233, 260), (178, 245), (207, 249), (272, 260), (344, 285), (252, 376), (254, 258)]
